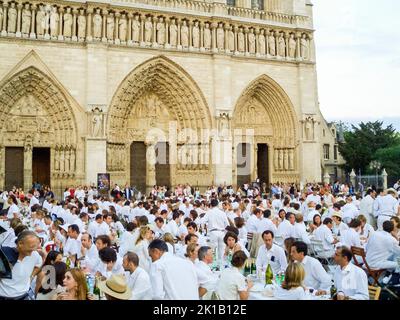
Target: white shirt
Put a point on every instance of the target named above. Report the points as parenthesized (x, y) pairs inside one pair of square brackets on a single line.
[(172, 228), (174, 278), (350, 238), (139, 282), (72, 247), (386, 205), (300, 232), (127, 243), (117, 268), (316, 276), (96, 229), (352, 281), (286, 230), (324, 234), (338, 229), (381, 247), (266, 224), (311, 214), (350, 211), (11, 210), (316, 199), (141, 249), (367, 207), (266, 256), (252, 224), (206, 278), (292, 294), (216, 219), (21, 276), (231, 282)]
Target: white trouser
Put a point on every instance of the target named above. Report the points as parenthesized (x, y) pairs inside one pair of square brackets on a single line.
[(371, 220), (217, 241), (381, 220)]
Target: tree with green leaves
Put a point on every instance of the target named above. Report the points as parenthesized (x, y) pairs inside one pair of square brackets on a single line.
[(367, 142)]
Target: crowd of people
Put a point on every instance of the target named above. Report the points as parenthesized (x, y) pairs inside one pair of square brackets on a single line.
[(187, 245)]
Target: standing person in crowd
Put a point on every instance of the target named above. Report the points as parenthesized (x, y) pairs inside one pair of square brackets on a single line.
[(386, 207)]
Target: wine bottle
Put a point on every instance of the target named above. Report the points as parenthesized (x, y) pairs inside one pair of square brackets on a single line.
[(269, 275)]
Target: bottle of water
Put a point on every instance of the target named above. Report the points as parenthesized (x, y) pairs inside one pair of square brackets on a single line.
[(90, 281)]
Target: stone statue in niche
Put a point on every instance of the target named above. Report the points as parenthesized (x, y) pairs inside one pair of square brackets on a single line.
[(68, 23), (54, 21), (207, 36), (184, 34), (26, 19), (252, 42), (148, 27), (161, 31), (223, 125), (220, 37), (304, 47), (240, 40), (40, 21), (97, 20), (280, 159), (12, 19), (231, 40), (1, 18), (261, 42), (136, 29), (173, 29), (281, 46), (292, 46), (97, 123), (309, 128), (81, 25), (110, 26), (123, 24), (271, 44), (196, 35)]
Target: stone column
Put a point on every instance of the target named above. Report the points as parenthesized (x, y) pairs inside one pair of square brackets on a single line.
[(129, 41), (89, 25), (235, 32), (190, 26), (202, 49), (167, 45), (60, 24), (226, 28), (214, 26), (117, 39), (74, 31), (4, 30), (104, 38), (254, 162), (27, 167), (155, 21), (178, 40), (246, 41), (142, 21), (32, 35), (18, 33), (384, 176)]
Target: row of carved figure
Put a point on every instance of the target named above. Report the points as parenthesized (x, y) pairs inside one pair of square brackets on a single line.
[(284, 159), (64, 160), (78, 24)]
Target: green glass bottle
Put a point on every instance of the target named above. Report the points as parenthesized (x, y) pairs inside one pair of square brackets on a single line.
[(96, 290), (253, 268), (269, 275), (333, 290), (246, 268), (68, 263)]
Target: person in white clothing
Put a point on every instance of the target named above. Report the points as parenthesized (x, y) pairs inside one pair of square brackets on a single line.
[(382, 249), (300, 230), (270, 253), (128, 239), (286, 227), (217, 222), (172, 278), (315, 275), (232, 284), (72, 248), (367, 207), (137, 278), (314, 197), (109, 263), (141, 247), (349, 210), (207, 279), (292, 287), (266, 223), (351, 281), (98, 227), (386, 207), (338, 225), (325, 235), (89, 252), (13, 210), (173, 226), (351, 237)]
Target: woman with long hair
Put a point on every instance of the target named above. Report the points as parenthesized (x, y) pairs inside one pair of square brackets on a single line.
[(169, 240), (47, 292), (141, 247), (292, 287), (75, 286), (51, 258)]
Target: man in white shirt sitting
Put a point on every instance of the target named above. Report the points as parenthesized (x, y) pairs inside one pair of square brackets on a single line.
[(314, 197), (338, 225), (109, 263), (72, 248), (270, 253), (382, 249), (286, 227), (172, 278), (351, 281), (137, 278), (266, 223), (207, 279), (89, 252), (324, 234), (316, 277), (99, 227), (351, 237)]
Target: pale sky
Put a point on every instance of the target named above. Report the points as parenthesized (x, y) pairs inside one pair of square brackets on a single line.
[(358, 58)]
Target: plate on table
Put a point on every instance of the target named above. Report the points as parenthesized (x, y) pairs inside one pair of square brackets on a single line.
[(258, 287)]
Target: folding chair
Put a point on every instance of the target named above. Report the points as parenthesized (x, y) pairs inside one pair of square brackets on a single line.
[(374, 292), (374, 274), (320, 252)]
